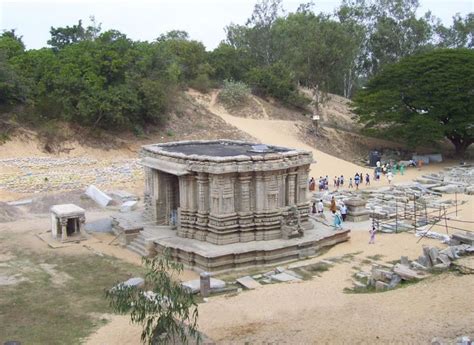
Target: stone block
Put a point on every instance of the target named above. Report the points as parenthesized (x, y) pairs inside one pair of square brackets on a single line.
[(444, 259), (404, 261), (406, 273), (381, 286), (395, 281), (382, 275), (98, 196), (195, 285), (128, 206), (434, 252), (467, 238), (284, 277), (417, 266), (134, 282), (248, 282)]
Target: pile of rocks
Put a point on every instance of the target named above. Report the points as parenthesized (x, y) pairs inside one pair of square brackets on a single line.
[(433, 259), (454, 180)]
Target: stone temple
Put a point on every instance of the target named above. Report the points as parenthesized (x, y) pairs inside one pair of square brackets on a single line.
[(221, 205)]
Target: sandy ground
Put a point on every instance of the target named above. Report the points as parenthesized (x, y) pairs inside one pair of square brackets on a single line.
[(314, 311), (318, 311)]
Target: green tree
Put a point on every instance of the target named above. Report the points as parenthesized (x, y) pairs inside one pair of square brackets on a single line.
[(166, 310), (459, 35), (422, 99)]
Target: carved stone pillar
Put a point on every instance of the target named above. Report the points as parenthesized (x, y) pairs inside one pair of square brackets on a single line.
[(291, 184), (63, 223), (203, 193), (260, 192), (81, 223), (244, 184)]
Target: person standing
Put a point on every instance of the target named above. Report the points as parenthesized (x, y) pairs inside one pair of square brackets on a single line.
[(389, 177), (337, 221), (342, 181), (357, 180), (343, 210), (367, 179), (350, 183), (320, 207), (372, 235), (402, 169), (333, 207)]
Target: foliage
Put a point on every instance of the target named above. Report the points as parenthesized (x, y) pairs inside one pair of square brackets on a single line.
[(276, 81), (234, 93), (422, 99), (167, 311)]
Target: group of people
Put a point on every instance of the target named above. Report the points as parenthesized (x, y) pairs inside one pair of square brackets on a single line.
[(339, 214), (339, 182)]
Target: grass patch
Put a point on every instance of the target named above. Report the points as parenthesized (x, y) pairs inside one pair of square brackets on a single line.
[(375, 257), (39, 311), (366, 262)]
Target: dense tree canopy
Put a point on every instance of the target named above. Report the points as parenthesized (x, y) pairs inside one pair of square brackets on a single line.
[(103, 79), (422, 99)]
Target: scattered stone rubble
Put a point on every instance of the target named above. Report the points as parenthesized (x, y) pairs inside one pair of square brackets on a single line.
[(40, 174), (433, 259), (458, 179)]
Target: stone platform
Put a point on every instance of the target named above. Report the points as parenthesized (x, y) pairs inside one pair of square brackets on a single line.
[(204, 256)]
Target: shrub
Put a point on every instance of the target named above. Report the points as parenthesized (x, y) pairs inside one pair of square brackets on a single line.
[(234, 93)]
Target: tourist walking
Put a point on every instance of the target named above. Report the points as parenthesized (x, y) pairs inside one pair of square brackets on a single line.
[(320, 207), (389, 177), (367, 180), (333, 207), (372, 235), (337, 220), (357, 180), (402, 169), (312, 184), (350, 183), (342, 181), (313, 208), (343, 210)]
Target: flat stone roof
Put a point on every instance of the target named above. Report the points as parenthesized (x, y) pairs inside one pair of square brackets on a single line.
[(218, 149), (67, 210), (224, 149)]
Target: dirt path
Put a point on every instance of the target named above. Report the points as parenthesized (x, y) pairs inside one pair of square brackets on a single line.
[(285, 133)]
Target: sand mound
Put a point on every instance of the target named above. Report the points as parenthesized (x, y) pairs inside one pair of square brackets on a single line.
[(9, 213), (43, 203)]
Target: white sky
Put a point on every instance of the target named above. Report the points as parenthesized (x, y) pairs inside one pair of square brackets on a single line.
[(204, 20)]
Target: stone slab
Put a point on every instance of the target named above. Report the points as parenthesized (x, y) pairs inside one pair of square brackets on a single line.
[(134, 282), (406, 273), (67, 210), (98, 196), (194, 286), (467, 238), (128, 206), (284, 277), (249, 283)]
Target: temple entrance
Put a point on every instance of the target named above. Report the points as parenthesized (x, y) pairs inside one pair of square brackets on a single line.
[(71, 226), (167, 203)]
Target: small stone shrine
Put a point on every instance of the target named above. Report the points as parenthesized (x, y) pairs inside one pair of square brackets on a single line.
[(67, 222)]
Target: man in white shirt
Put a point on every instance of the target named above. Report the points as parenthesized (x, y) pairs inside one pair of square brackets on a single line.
[(320, 207)]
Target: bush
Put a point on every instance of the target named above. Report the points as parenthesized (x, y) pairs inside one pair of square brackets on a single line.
[(234, 93), (202, 83)]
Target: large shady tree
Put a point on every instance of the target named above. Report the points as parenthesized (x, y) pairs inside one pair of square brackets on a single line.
[(422, 99)]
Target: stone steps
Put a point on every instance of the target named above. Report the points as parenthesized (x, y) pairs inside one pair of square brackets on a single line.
[(138, 245)]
